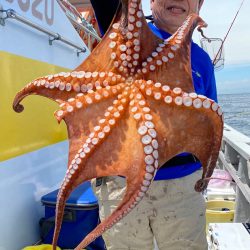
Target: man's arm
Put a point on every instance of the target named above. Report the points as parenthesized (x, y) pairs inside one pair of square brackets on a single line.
[(104, 12)]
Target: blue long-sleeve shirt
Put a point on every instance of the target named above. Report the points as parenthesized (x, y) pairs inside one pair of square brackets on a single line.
[(202, 73), (204, 84)]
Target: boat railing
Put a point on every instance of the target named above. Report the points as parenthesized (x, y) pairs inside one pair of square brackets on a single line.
[(80, 24), (234, 157), (53, 36)]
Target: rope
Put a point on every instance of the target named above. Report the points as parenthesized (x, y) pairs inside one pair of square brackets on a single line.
[(220, 49)]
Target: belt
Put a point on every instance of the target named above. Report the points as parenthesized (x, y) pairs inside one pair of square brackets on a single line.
[(175, 161), (180, 160)]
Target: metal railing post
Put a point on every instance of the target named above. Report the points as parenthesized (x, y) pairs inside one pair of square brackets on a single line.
[(242, 209), (235, 158)]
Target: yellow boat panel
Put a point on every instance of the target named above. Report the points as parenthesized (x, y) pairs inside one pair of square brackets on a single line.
[(36, 126), (41, 247)]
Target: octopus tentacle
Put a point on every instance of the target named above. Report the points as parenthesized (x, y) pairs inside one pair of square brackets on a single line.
[(130, 200), (138, 181), (135, 22), (167, 50), (146, 129), (208, 169), (125, 45), (178, 97), (83, 101), (77, 171), (68, 85), (199, 103), (60, 206)]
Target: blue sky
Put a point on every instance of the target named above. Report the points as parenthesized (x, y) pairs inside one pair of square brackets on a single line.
[(218, 14), (233, 79)]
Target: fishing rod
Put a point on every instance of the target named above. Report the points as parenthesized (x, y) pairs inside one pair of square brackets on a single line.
[(220, 49)]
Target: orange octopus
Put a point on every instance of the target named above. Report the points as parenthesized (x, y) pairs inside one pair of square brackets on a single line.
[(132, 109)]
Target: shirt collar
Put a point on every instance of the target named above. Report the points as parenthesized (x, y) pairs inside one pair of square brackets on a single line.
[(160, 33)]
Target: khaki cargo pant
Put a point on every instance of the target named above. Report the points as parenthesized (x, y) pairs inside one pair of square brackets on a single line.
[(171, 211)]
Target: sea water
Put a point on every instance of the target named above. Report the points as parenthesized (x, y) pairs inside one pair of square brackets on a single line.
[(236, 109)]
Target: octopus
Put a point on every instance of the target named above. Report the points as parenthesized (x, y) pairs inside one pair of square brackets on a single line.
[(129, 108)]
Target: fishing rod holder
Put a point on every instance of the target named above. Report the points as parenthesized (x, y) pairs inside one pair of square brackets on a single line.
[(80, 51), (54, 38), (5, 14), (12, 14)]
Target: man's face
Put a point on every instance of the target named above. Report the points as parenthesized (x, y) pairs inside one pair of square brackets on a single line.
[(170, 14)]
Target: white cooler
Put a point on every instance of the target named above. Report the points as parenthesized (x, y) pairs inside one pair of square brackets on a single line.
[(228, 236)]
